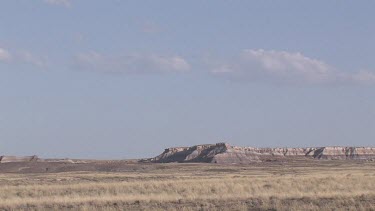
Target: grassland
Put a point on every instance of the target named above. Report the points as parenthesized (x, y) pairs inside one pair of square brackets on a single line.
[(322, 185)]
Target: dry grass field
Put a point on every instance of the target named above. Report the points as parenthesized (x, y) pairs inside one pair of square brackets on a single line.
[(324, 185)]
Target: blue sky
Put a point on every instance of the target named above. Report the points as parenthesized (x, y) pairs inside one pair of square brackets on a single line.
[(126, 79)]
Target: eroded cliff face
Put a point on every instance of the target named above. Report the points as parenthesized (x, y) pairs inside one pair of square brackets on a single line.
[(10, 159), (342, 153), (208, 153), (224, 153)]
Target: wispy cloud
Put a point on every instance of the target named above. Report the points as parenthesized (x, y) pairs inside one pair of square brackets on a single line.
[(29, 58), (134, 63), (22, 57), (282, 66), (363, 76), (5, 55), (65, 3)]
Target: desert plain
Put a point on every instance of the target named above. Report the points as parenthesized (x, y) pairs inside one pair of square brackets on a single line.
[(134, 185)]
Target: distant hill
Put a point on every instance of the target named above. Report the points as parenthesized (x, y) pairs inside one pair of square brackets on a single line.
[(227, 154)]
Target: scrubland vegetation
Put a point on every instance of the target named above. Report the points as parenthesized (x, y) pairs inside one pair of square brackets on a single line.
[(327, 186)]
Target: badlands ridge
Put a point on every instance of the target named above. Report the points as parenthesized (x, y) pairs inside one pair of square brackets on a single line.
[(227, 154)]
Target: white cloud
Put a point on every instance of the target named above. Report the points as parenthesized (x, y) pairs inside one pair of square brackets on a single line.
[(65, 3), (282, 66), (21, 57), (5, 55), (255, 64), (135, 63), (29, 58), (364, 77)]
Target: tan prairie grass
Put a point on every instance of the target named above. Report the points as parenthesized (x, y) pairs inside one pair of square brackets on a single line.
[(194, 188), (211, 187)]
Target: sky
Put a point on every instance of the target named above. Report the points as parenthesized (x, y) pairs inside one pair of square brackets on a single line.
[(126, 79)]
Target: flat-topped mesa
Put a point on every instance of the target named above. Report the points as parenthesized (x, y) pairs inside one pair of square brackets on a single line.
[(224, 153), (279, 151), (206, 153), (198, 153), (343, 153), (10, 159)]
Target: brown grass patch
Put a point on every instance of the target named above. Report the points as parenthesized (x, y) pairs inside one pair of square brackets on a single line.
[(196, 187)]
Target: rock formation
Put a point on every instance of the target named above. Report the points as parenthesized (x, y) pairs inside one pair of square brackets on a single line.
[(208, 153), (224, 153), (9, 159)]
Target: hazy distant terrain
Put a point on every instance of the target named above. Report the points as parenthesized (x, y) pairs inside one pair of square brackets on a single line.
[(314, 185)]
